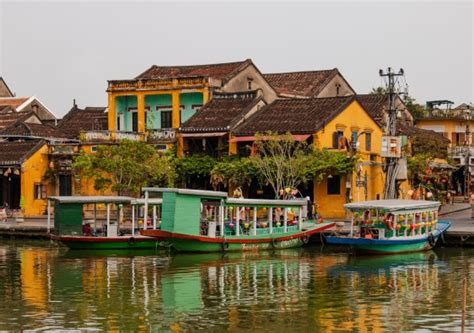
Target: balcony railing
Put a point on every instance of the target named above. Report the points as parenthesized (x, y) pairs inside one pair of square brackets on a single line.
[(460, 151), (167, 135)]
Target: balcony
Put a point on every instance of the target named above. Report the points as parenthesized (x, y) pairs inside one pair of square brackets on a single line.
[(167, 135), (460, 151)]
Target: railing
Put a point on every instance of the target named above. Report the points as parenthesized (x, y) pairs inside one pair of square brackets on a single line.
[(460, 151), (153, 84), (162, 135), (97, 136)]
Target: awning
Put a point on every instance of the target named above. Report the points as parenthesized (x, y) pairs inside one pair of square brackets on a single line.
[(202, 135), (297, 137)]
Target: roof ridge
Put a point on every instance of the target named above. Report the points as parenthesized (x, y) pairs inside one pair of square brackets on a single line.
[(301, 72), (202, 65)]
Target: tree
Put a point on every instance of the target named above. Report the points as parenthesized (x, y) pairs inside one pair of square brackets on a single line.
[(194, 170), (378, 91), (236, 171), (284, 162), (126, 167), (417, 110)]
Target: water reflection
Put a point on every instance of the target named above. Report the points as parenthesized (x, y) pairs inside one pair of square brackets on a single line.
[(299, 290)]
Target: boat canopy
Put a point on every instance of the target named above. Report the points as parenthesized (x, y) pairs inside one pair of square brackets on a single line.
[(200, 193), (151, 201), (264, 202), (91, 199), (393, 205)]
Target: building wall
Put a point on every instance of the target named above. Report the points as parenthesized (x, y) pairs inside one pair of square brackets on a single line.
[(331, 88), (241, 80), (446, 127), (32, 172), (189, 103), (353, 118), (156, 104)]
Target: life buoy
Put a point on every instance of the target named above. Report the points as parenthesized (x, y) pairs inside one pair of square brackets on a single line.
[(131, 241), (305, 239), (225, 245), (431, 240)]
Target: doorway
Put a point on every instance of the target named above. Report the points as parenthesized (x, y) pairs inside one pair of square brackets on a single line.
[(65, 185)]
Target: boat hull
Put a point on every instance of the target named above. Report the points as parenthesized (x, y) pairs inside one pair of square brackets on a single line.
[(108, 243), (389, 246), (192, 243)]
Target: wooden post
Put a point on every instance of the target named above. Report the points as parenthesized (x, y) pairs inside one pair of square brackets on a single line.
[(270, 219), (300, 221), (95, 218), (285, 219), (145, 214), (154, 217), (237, 221), (49, 216), (254, 221), (133, 220), (108, 219), (221, 219)]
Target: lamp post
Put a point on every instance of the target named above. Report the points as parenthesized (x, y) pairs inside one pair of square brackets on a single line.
[(467, 160)]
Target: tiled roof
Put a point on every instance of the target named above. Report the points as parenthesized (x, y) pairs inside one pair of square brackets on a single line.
[(304, 116), (11, 117), (13, 101), (36, 130), (16, 152), (412, 131), (375, 105), (77, 120), (308, 84), (217, 71), (223, 111)]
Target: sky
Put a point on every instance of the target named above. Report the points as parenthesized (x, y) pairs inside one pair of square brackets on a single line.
[(60, 51)]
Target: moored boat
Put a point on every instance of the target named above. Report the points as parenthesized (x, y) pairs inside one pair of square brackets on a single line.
[(209, 221), (75, 231), (392, 226)]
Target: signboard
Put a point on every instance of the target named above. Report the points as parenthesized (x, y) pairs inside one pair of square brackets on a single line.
[(391, 146)]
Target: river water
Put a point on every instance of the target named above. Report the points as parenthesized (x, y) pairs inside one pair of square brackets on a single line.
[(315, 289)]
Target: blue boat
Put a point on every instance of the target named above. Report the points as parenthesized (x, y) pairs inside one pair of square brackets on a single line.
[(392, 226)]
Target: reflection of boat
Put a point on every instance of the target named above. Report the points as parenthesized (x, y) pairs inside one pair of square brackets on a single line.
[(392, 226), (93, 253), (74, 231), (208, 221)]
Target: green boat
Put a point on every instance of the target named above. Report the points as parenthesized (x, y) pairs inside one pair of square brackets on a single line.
[(73, 229), (392, 226), (209, 221)]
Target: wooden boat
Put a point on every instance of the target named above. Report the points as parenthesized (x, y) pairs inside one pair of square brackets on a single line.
[(209, 221), (75, 231), (392, 226)]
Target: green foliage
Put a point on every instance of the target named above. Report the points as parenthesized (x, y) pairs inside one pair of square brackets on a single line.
[(50, 175), (235, 171), (324, 162), (417, 110), (126, 167), (418, 164), (194, 166), (378, 91)]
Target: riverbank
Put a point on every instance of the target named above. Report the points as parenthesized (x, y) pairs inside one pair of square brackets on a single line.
[(461, 232)]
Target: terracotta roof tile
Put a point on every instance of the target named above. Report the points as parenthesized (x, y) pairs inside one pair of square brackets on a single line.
[(221, 112), (36, 130), (308, 84), (217, 71), (77, 120), (375, 105), (13, 101), (16, 152), (304, 116), (9, 117)]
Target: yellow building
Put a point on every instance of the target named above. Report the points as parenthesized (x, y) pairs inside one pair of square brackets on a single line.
[(328, 123), (155, 103)]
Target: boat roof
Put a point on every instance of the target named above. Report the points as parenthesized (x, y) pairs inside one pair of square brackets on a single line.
[(151, 201), (265, 202), (393, 204), (200, 193), (91, 199)]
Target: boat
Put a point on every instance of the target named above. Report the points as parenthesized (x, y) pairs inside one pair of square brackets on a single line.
[(392, 226), (75, 231), (210, 221)]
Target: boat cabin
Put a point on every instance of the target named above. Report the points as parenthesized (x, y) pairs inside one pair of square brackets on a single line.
[(98, 215), (392, 219), (213, 214)]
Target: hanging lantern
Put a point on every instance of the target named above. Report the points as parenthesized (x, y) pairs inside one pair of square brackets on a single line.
[(16, 172)]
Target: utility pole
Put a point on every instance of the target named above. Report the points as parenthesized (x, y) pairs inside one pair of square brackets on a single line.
[(467, 160), (391, 165)]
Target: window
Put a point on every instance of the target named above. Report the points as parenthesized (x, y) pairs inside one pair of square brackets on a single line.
[(40, 191), (120, 123), (354, 136), (336, 139), (166, 119), (94, 149), (334, 185), (368, 141), (338, 89), (249, 83)]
